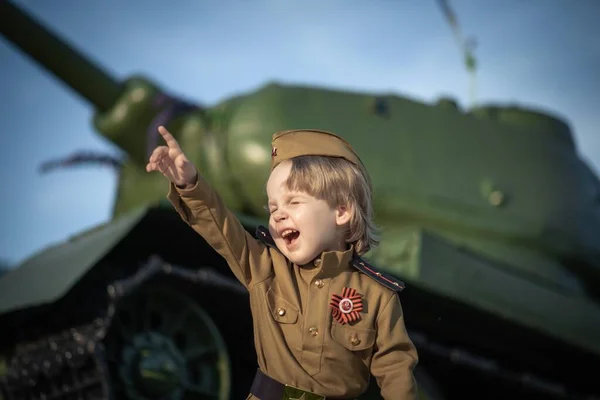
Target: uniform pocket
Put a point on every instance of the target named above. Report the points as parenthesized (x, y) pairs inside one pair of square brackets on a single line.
[(354, 339), (281, 310)]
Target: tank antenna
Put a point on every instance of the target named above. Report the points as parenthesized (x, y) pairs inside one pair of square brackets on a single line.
[(466, 46), (82, 158)]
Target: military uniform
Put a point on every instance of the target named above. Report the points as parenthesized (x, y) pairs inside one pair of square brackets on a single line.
[(322, 328)]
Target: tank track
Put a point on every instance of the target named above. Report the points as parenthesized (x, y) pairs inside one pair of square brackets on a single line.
[(72, 364), (66, 365)]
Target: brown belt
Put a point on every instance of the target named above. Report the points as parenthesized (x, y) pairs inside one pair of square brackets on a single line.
[(266, 388)]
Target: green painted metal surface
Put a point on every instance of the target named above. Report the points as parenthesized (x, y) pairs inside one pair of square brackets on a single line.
[(457, 272), (47, 275), (52, 271)]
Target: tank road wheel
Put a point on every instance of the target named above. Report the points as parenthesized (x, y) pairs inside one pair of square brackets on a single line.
[(162, 345)]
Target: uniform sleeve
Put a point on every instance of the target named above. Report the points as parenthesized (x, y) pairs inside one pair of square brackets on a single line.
[(394, 356), (203, 209)]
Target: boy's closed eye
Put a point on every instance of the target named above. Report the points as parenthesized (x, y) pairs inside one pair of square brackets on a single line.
[(271, 208)]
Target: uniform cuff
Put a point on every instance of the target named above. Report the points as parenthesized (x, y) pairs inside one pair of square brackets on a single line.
[(194, 193)]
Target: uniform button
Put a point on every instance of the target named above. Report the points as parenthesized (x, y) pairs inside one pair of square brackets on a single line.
[(319, 283), (355, 341), (313, 331), (281, 311), (317, 262)]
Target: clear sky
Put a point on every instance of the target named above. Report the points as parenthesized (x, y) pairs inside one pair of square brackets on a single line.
[(540, 53)]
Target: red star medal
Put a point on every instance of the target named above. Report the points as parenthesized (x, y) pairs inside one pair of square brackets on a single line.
[(346, 308)]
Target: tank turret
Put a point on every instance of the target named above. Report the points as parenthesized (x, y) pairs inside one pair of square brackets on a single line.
[(488, 214)]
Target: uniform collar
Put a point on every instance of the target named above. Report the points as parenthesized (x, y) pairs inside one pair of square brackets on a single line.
[(327, 261), (334, 260)]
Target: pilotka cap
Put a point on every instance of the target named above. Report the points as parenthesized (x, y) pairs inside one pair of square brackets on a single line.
[(310, 142)]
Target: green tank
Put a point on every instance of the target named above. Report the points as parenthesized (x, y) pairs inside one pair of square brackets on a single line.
[(489, 215)]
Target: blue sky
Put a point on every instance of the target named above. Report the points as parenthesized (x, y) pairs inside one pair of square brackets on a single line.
[(540, 53)]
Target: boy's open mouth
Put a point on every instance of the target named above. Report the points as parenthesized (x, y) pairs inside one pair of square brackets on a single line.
[(290, 236)]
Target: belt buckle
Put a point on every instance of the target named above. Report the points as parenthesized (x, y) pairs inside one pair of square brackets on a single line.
[(294, 393)]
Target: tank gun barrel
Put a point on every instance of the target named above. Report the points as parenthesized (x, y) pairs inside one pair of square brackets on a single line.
[(57, 56), (126, 112)]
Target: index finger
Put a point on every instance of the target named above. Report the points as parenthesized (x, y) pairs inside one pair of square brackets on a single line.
[(171, 142)]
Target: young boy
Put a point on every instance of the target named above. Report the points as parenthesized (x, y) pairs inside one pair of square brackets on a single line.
[(324, 320)]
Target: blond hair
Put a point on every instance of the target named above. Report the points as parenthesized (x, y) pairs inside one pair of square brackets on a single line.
[(339, 182)]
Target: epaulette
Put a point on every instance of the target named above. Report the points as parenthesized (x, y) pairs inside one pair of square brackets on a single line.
[(385, 279), (264, 236)]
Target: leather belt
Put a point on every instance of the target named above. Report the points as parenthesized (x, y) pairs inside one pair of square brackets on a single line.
[(266, 388)]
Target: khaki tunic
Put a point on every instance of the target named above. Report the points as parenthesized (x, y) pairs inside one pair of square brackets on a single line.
[(297, 340)]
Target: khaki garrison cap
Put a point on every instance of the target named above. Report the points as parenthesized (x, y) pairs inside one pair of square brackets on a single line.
[(310, 142)]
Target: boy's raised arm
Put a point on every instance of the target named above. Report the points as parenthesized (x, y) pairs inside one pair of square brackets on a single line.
[(203, 209)]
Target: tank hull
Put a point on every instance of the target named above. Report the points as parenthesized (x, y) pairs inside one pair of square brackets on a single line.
[(463, 349)]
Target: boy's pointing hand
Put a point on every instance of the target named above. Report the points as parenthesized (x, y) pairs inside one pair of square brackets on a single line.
[(171, 161)]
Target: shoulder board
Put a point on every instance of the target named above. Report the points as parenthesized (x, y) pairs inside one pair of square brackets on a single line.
[(381, 277), (264, 236)]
